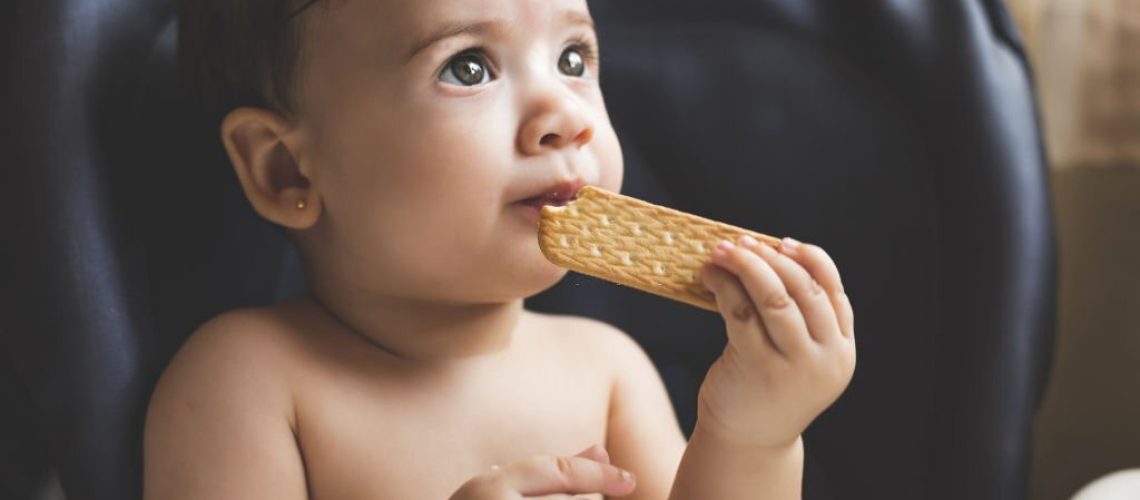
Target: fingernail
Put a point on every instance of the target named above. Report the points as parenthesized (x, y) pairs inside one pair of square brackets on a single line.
[(789, 245), (721, 250), (749, 241), (626, 476)]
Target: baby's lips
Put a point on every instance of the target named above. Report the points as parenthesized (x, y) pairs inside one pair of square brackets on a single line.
[(560, 192), (542, 201)]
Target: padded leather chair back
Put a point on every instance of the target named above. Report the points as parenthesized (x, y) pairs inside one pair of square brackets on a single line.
[(901, 136)]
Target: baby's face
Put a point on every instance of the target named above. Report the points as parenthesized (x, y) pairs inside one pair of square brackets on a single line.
[(432, 127)]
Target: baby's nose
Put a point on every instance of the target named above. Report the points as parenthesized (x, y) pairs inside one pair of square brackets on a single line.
[(557, 125)]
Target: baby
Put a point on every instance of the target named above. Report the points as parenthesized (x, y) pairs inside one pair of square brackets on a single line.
[(406, 147)]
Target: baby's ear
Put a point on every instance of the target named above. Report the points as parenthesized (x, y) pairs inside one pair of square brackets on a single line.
[(263, 148)]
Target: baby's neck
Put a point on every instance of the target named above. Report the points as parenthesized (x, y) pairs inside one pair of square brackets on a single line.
[(426, 333)]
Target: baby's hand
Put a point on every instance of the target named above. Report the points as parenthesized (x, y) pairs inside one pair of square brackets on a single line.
[(587, 472), (791, 345)]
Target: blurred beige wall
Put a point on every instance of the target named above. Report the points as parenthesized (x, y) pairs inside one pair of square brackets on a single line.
[(1089, 422), (1086, 55)]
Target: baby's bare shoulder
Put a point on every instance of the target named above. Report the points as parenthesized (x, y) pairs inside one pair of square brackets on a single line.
[(236, 356), (223, 408), (253, 336)]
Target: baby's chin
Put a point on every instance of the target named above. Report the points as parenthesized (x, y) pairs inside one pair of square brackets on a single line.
[(524, 274), (518, 272), (538, 276)]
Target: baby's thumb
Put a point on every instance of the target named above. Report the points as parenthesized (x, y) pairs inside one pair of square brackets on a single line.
[(595, 453)]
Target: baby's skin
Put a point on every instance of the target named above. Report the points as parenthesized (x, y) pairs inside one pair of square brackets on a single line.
[(424, 136)]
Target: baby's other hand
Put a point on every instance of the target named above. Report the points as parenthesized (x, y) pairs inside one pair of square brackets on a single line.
[(791, 344), (585, 473)]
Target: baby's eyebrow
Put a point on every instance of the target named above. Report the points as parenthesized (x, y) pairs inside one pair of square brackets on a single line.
[(482, 28), (449, 30)]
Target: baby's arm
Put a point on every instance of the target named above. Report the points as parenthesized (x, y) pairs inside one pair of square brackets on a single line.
[(790, 354), (643, 435), (219, 423)]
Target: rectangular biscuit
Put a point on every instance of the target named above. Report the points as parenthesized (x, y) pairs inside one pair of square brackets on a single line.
[(636, 243)]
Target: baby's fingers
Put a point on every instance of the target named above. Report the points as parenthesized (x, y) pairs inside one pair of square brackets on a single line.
[(741, 321), (812, 299), (584, 473), (779, 315), (820, 265), (567, 476), (595, 453)]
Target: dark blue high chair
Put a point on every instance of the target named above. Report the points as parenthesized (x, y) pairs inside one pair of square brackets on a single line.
[(901, 136)]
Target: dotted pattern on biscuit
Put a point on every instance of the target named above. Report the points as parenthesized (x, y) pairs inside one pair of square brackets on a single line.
[(635, 243)]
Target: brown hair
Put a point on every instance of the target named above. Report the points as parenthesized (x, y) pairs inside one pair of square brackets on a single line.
[(241, 52)]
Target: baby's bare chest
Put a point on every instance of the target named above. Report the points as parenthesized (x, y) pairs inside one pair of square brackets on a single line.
[(362, 444)]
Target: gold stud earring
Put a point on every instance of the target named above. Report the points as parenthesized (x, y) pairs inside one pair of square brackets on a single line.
[(301, 204)]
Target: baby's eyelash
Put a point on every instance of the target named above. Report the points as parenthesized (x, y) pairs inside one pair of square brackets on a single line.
[(587, 48), (475, 50)]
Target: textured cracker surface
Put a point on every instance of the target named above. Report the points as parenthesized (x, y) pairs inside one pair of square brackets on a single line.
[(636, 243)]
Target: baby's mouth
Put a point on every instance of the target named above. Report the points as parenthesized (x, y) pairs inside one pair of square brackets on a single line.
[(557, 200), (559, 195)]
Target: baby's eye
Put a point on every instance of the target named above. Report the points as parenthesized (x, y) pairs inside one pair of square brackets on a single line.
[(572, 62), (467, 69)]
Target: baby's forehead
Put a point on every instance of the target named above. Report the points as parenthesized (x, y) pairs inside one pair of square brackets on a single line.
[(405, 19), (398, 27), (517, 10)]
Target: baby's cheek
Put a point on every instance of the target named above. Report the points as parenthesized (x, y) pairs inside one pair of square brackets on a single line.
[(611, 164)]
